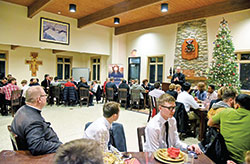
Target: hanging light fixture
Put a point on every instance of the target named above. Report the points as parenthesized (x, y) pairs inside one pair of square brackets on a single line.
[(116, 20), (164, 7), (72, 8)]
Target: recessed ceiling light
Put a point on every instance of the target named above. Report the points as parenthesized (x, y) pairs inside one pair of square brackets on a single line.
[(164, 7), (116, 20), (59, 12), (72, 8)]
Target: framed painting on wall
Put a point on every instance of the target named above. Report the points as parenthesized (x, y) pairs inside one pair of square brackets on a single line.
[(54, 31)]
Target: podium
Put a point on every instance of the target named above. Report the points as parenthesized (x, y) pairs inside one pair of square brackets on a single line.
[(165, 86)]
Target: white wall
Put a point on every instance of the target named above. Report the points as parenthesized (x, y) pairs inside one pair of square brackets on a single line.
[(119, 52), (162, 40), (239, 24), (17, 29), (158, 41), (17, 67)]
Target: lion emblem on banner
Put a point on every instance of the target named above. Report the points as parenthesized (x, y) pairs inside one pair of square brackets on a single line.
[(189, 49)]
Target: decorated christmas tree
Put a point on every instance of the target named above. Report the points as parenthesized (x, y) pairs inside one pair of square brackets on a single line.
[(223, 68)]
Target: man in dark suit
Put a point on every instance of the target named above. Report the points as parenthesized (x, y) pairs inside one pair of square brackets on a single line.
[(178, 77), (124, 85), (46, 82), (83, 83), (35, 133), (111, 84)]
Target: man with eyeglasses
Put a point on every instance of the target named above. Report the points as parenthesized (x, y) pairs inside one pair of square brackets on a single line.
[(161, 131), (34, 132)]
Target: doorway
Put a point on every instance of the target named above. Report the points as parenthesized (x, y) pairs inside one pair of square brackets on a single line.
[(134, 65)]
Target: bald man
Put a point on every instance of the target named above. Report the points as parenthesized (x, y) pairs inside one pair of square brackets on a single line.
[(36, 135), (178, 77)]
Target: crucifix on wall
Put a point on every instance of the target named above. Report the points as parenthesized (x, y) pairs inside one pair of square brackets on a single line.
[(34, 63)]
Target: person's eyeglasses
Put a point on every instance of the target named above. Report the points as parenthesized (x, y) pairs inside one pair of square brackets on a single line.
[(171, 108), (46, 95)]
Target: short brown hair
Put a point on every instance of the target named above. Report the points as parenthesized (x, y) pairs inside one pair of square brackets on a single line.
[(172, 87), (165, 98), (24, 82), (110, 108), (144, 81), (201, 85), (177, 86), (12, 79), (229, 93), (79, 151)]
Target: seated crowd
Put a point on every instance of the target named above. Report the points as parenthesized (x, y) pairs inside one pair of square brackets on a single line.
[(226, 110)]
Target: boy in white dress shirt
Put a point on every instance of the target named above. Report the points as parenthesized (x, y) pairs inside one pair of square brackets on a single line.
[(155, 131), (99, 129)]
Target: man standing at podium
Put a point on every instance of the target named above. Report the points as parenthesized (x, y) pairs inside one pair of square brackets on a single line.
[(178, 77)]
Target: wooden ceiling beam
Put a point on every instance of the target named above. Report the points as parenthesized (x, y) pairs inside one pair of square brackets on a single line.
[(57, 51), (116, 9), (36, 7), (207, 11), (13, 47)]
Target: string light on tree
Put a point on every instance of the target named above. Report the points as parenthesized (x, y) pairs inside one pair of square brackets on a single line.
[(223, 68)]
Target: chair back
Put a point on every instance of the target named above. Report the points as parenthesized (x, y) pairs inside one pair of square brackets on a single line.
[(140, 134), (109, 94), (83, 94), (153, 107), (135, 95), (98, 93), (122, 94), (135, 98), (13, 138), (56, 92), (16, 98), (15, 101)]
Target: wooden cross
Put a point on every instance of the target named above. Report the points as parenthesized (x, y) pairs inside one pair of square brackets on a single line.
[(33, 63)]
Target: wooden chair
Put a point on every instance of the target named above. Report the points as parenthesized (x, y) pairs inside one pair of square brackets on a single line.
[(103, 94), (83, 94), (153, 107), (109, 94), (15, 101), (98, 94), (55, 92), (135, 98), (122, 96), (140, 134), (14, 139)]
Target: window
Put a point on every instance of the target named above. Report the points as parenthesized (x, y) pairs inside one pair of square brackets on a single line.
[(3, 65), (96, 69), (64, 67), (243, 60), (155, 69)]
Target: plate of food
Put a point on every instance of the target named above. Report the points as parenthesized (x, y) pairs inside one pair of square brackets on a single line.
[(109, 158), (169, 155)]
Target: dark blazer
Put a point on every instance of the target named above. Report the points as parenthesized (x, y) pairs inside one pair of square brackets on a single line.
[(35, 133), (112, 85), (81, 84), (181, 117), (148, 87), (45, 84), (173, 93), (181, 78), (125, 86)]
